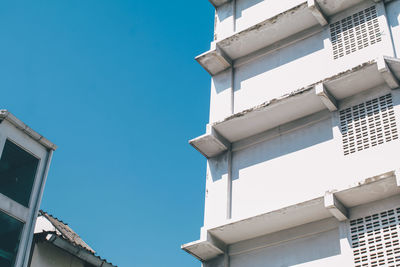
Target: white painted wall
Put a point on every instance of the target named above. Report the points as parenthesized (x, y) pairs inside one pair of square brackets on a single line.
[(221, 96), (224, 21), (251, 12), (216, 190), (47, 255), (270, 175), (321, 249)]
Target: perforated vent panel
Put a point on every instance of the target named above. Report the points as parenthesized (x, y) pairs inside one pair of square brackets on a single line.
[(355, 32), (368, 124), (375, 239)]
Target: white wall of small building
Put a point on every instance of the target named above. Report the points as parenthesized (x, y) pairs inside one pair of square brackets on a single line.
[(48, 255)]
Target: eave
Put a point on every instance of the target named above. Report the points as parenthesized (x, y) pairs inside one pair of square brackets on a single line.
[(76, 250), (307, 100), (271, 33), (6, 115), (334, 203)]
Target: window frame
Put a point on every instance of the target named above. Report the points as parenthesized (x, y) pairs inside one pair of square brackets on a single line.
[(27, 215)]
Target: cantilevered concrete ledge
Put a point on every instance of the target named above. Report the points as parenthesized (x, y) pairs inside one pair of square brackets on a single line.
[(6, 115), (273, 32), (340, 200), (335, 207), (214, 61), (202, 249), (322, 95), (210, 144)]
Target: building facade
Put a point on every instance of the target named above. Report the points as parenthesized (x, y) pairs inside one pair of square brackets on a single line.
[(24, 163), (303, 137)]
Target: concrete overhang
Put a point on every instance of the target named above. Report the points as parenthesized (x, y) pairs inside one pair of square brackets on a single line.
[(273, 32), (6, 115), (203, 250), (366, 191), (210, 144), (322, 95)]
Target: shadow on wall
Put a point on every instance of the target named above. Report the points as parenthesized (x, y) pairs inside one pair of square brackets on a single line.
[(393, 13), (218, 166), (217, 262), (222, 81), (283, 145), (275, 60), (316, 250), (245, 5), (224, 12)]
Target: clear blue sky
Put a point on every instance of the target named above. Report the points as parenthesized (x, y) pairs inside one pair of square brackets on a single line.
[(114, 84)]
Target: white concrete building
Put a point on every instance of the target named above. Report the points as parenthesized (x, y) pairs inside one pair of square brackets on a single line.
[(303, 138), (24, 163)]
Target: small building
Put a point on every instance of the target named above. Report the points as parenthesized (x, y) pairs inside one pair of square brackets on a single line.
[(56, 244), (24, 164)]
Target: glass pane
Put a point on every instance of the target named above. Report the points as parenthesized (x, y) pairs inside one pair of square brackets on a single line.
[(10, 232), (17, 173)]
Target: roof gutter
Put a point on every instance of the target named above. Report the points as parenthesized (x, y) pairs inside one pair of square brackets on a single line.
[(77, 251)]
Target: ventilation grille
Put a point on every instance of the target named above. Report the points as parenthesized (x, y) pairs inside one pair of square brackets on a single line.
[(355, 32), (375, 239), (368, 124)]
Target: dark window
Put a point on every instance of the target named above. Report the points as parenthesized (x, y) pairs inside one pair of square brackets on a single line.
[(17, 173), (10, 232)]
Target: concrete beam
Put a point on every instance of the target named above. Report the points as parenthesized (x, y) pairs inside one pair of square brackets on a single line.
[(335, 207), (214, 61), (397, 175), (317, 12), (205, 250), (326, 97), (387, 74), (210, 144)]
